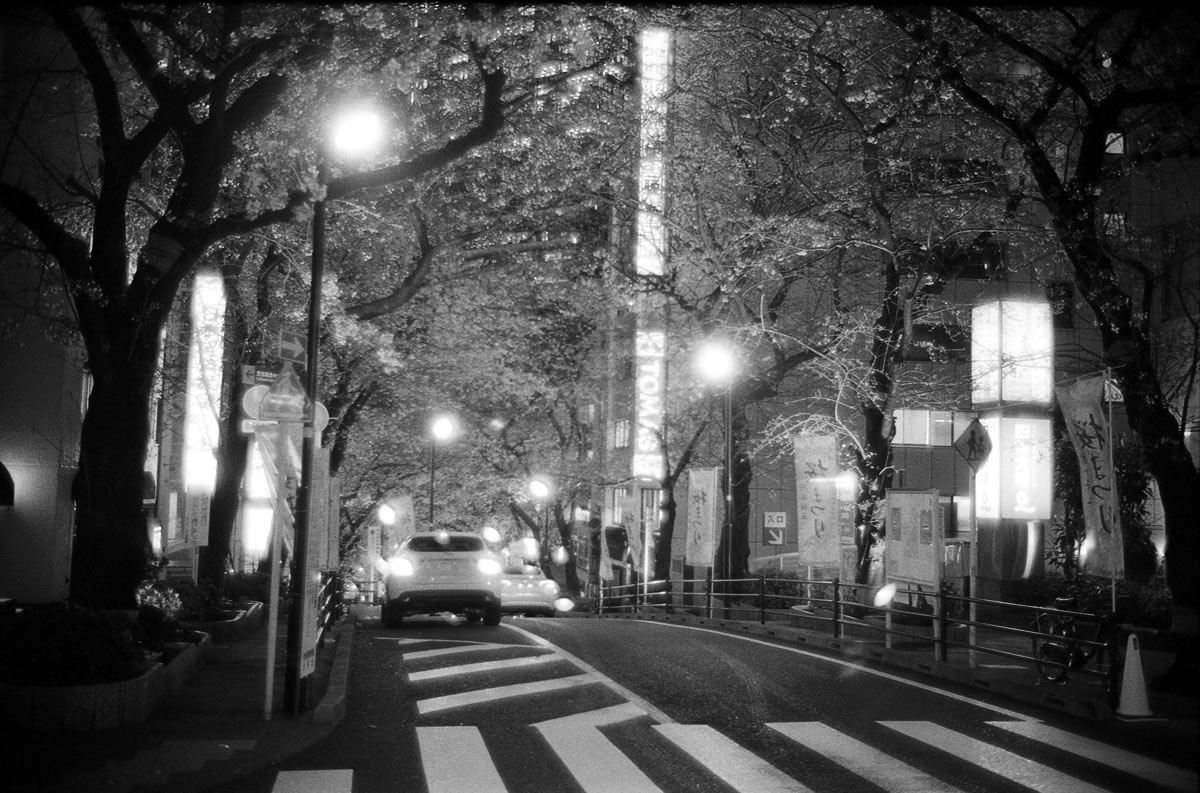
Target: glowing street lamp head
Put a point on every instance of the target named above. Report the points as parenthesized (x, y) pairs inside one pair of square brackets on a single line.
[(443, 428), (539, 489), (716, 362), (356, 133), (387, 515)]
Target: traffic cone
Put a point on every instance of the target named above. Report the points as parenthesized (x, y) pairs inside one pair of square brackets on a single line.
[(1134, 704)]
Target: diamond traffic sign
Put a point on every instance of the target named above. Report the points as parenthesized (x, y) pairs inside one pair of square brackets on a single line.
[(974, 444)]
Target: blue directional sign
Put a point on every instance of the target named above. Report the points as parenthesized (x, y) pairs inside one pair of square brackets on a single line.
[(293, 347)]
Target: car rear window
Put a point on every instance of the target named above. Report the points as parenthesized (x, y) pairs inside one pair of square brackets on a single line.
[(435, 543)]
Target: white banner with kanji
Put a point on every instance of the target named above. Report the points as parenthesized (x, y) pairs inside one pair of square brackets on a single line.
[(817, 537), (704, 495), (1082, 407)]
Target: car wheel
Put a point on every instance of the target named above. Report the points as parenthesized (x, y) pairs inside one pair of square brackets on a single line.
[(491, 615), (392, 618)]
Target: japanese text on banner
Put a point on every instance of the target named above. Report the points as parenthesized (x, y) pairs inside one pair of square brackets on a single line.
[(1083, 411)]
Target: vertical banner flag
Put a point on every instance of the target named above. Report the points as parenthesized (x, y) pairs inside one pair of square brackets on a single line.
[(817, 534), (1083, 410), (633, 526), (703, 497)]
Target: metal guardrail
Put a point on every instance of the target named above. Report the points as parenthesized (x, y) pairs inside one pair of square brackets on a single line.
[(1013, 630), (329, 602)]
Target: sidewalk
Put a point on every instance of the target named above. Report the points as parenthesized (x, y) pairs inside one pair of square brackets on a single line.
[(210, 730)]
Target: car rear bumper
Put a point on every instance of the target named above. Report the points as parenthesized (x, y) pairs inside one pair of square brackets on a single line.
[(428, 601)]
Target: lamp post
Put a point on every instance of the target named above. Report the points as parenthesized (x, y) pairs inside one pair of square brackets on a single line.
[(356, 133), (717, 365), (443, 428)]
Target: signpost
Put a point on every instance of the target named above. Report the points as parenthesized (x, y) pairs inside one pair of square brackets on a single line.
[(277, 408), (974, 445)]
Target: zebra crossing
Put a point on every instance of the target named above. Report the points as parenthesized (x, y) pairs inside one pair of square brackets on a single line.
[(456, 758), (459, 757)]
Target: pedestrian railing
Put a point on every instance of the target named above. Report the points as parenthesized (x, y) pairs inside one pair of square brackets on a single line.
[(330, 605), (914, 618)]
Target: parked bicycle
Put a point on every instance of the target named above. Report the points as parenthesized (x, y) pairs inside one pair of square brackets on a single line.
[(1066, 643)]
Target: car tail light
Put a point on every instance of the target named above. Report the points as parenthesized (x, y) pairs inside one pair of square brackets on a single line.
[(400, 566), (488, 566)]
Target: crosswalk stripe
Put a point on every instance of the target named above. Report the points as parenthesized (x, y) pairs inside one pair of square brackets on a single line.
[(482, 666), (597, 765), (736, 766), (417, 655), (456, 759), (1000, 761), (1156, 771), (434, 704), (868, 762), (336, 780)]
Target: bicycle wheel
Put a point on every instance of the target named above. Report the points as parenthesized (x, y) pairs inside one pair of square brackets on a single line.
[(1052, 656)]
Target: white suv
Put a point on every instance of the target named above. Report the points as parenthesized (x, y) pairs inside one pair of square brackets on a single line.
[(443, 571)]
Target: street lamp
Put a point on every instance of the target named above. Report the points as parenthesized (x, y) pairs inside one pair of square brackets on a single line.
[(541, 489), (443, 428), (717, 365), (354, 134)]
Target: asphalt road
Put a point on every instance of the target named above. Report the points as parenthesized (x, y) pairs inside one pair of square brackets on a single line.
[(618, 706)]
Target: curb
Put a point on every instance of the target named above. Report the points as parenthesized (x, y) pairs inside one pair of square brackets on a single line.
[(858, 650), (333, 705)]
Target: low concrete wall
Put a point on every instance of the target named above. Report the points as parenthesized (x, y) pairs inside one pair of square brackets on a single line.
[(103, 705)]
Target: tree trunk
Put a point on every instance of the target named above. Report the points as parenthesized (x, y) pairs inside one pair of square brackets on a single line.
[(666, 531), (566, 531), (226, 498), (111, 543)]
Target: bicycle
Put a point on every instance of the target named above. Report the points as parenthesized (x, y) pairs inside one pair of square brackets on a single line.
[(1062, 645)]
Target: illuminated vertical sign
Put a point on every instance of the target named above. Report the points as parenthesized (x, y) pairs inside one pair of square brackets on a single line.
[(1015, 482), (647, 447), (200, 428), (650, 254), (1012, 345)]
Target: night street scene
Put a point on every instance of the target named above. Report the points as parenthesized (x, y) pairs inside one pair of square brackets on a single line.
[(599, 398)]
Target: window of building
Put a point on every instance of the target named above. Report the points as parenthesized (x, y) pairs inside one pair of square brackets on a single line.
[(920, 427), (620, 434), (618, 503)]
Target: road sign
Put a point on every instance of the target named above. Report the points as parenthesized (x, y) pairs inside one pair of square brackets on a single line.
[(974, 444), (285, 399), (293, 347), (774, 527)]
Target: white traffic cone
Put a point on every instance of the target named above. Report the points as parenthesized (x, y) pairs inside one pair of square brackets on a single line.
[(1134, 704)]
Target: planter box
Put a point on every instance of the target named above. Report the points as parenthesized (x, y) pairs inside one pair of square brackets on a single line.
[(100, 706), (244, 622)]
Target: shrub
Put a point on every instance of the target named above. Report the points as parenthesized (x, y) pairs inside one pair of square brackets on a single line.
[(240, 587), (162, 596), (198, 601)]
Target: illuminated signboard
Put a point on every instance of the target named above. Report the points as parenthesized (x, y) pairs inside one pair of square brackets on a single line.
[(1012, 345), (648, 458), (650, 254), (1015, 482)]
